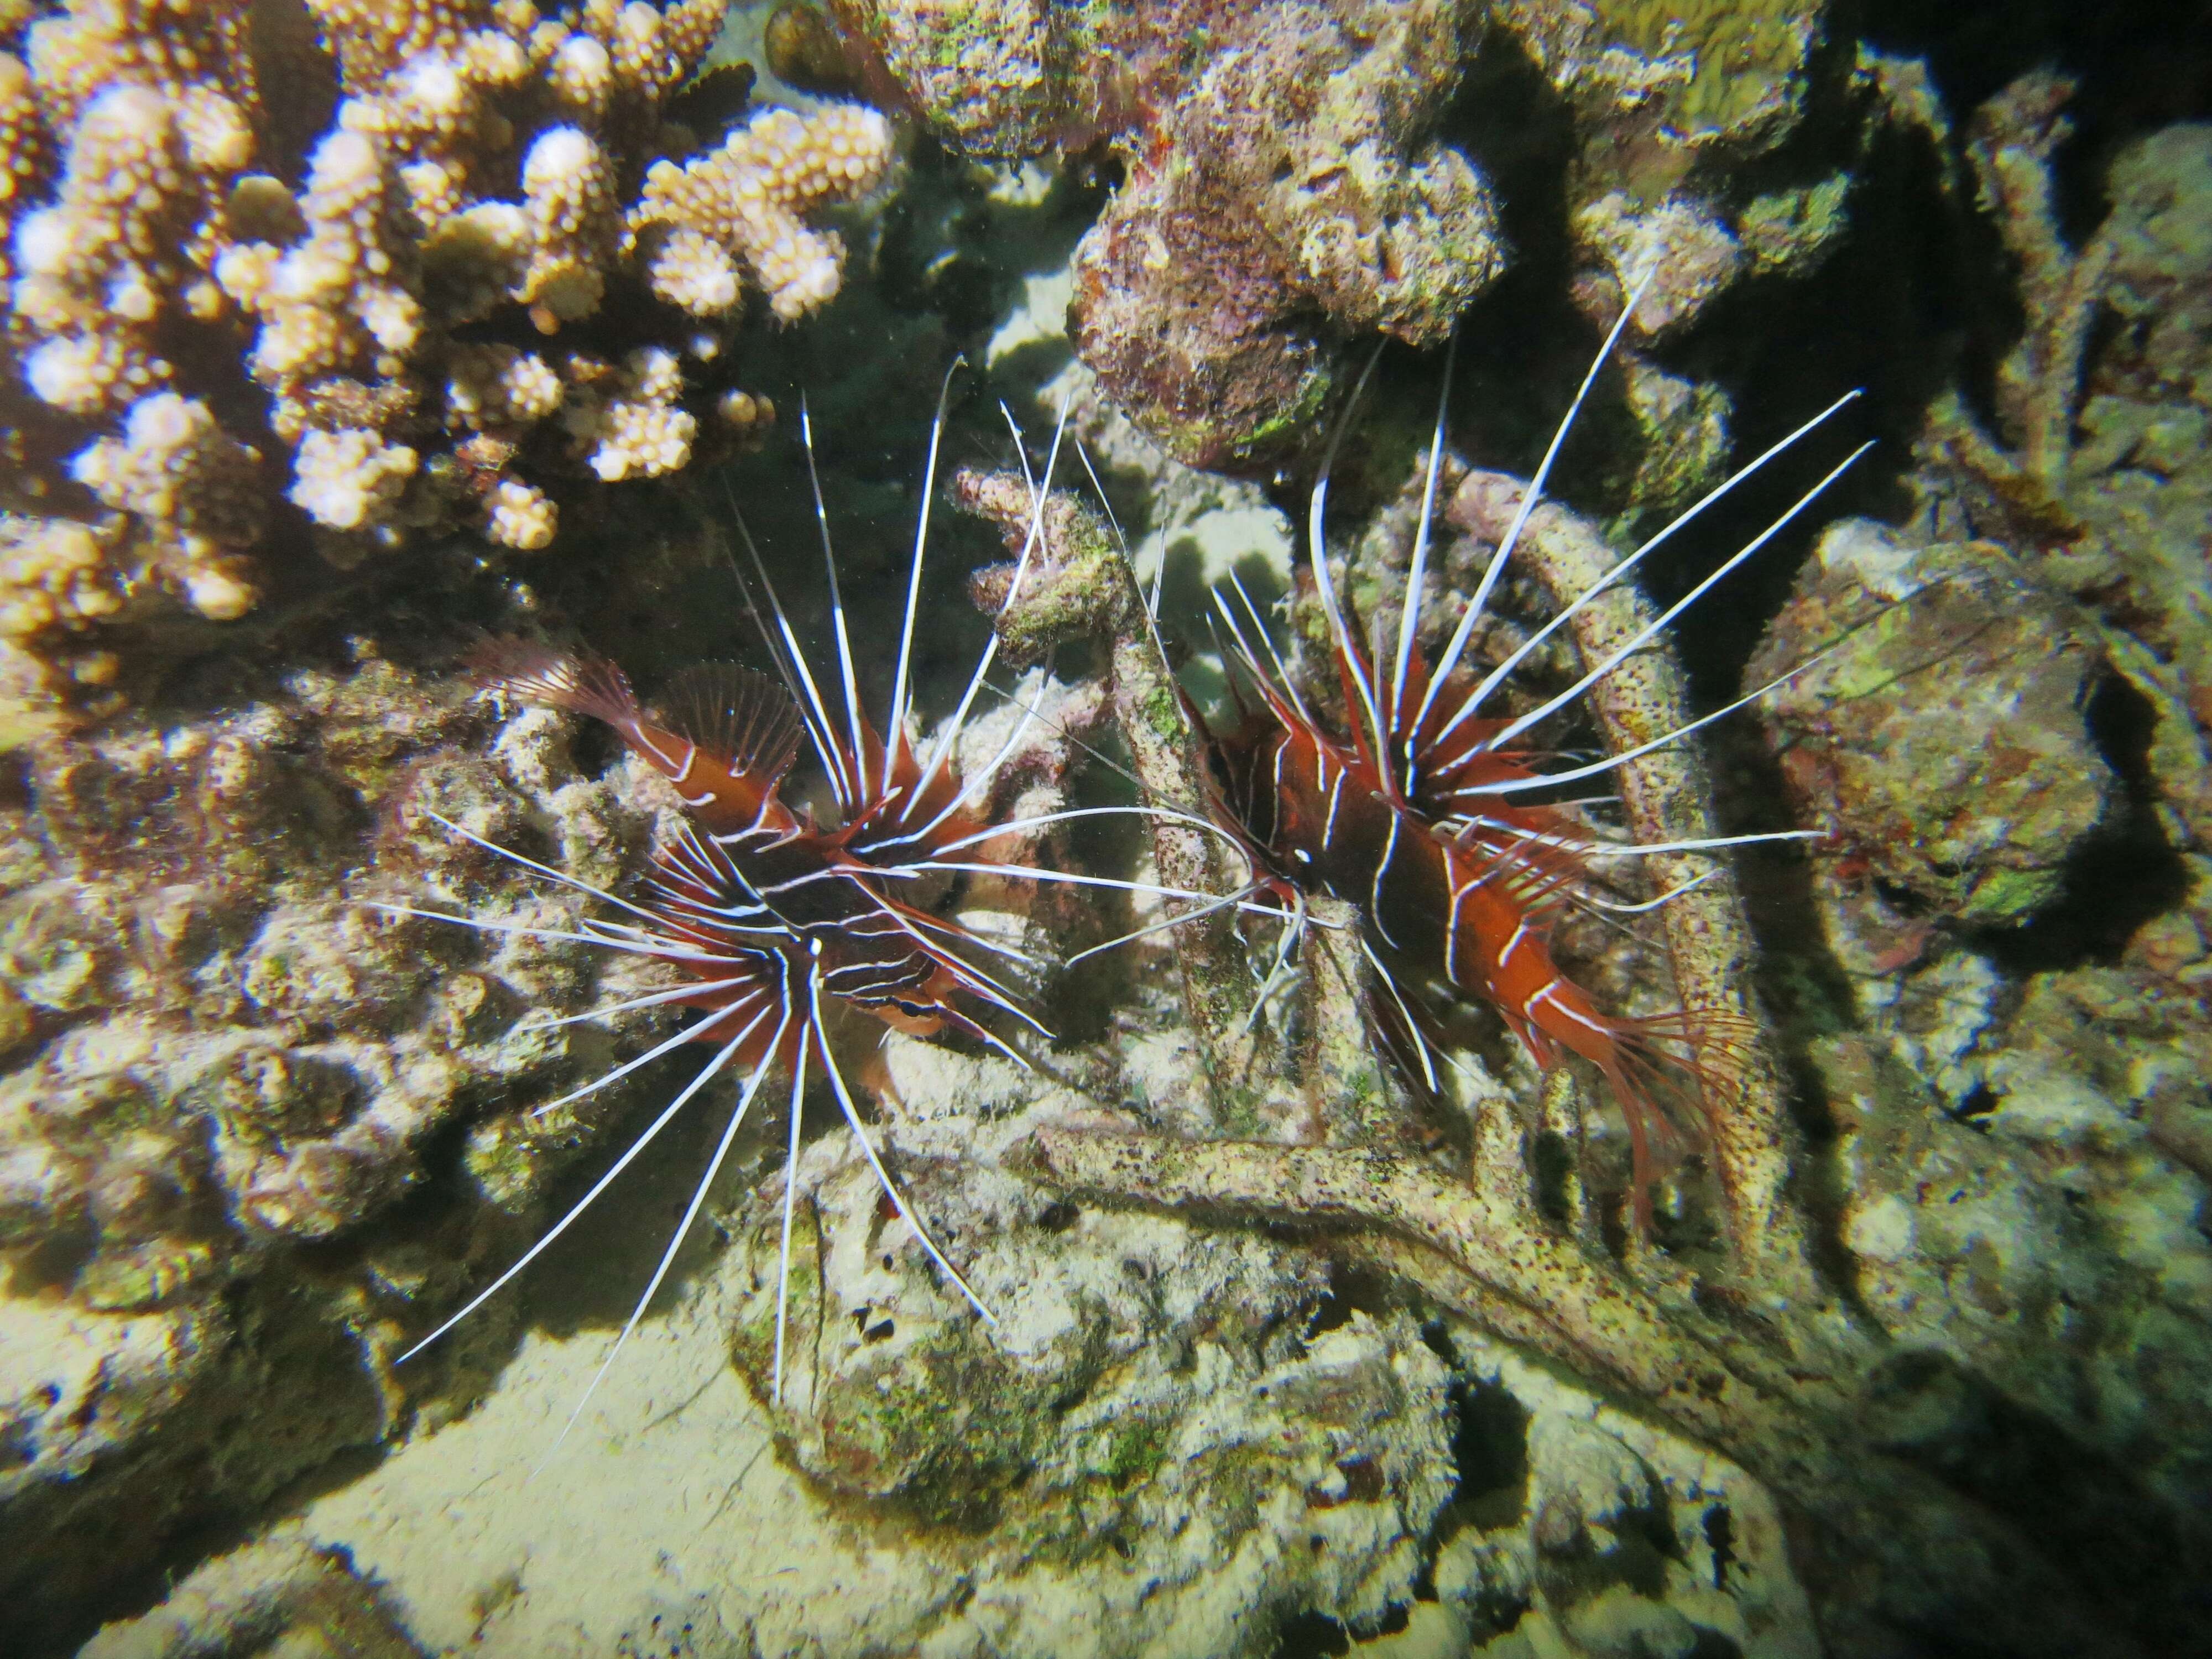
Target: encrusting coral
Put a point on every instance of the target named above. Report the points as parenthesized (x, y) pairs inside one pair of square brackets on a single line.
[(1291, 181), (177, 208)]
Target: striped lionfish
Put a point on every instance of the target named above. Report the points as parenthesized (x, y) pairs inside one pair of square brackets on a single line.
[(775, 920), (1421, 811)]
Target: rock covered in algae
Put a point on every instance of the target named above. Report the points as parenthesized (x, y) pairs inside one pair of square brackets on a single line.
[(1137, 1381), (2022, 1133), (1294, 179), (279, 1596), (1661, 95), (228, 1064), (1287, 181), (2022, 1221), (1938, 727)]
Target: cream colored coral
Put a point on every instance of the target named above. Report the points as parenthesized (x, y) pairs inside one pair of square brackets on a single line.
[(522, 516), (25, 155), (471, 259), (689, 269), (97, 263), (473, 164), (568, 186), (197, 489), (174, 48), (338, 296), (654, 51), (497, 386), (372, 38), (642, 434), (581, 76), (347, 480), (748, 198), (55, 574)]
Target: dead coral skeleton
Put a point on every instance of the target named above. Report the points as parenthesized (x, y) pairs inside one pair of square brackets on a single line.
[(470, 160)]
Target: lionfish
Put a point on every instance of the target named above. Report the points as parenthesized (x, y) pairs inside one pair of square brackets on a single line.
[(775, 920), (1426, 814)]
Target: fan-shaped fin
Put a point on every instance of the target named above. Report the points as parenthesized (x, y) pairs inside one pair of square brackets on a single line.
[(745, 720), (539, 673)]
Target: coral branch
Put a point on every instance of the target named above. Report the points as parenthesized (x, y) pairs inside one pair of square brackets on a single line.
[(2014, 136), (1079, 585), (175, 185)]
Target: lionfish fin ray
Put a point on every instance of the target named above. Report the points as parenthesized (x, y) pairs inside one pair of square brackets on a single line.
[(744, 719), (537, 674)]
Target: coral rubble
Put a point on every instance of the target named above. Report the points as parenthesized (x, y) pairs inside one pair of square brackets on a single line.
[(315, 251)]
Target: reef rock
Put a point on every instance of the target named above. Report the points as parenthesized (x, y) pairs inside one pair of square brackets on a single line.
[(1938, 725), (1285, 183), (228, 1058)]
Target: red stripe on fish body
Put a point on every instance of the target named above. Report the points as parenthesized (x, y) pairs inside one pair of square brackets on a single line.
[(1469, 910), (759, 891)]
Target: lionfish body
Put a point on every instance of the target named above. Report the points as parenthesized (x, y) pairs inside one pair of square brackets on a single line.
[(777, 920), (761, 899), (1449, 907), (1425, 815)]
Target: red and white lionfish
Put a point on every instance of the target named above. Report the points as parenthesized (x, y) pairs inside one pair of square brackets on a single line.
[(776, 919), (1419, 812)]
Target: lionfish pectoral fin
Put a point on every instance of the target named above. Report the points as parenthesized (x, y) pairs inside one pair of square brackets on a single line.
[(743, 720), (537, 674)]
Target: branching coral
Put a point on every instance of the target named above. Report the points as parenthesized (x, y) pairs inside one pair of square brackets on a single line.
[(484, 162)]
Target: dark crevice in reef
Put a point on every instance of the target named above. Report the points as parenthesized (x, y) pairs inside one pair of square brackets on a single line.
[(1351, 1288), (2097, 1522), (2124, 873), (2141, 64), (1311, 1635)]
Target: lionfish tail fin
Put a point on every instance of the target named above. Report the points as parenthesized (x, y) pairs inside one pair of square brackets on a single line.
[(1676, 1076), (540, 674), (745, 720)]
